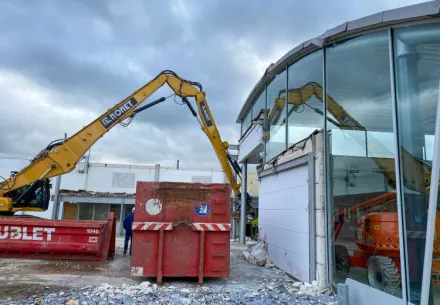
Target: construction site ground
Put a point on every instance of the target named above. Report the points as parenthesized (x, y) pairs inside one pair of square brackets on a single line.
[(22, 279)]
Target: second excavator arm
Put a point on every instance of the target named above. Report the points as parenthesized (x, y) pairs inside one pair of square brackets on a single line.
[(298, 97), (61, 156)]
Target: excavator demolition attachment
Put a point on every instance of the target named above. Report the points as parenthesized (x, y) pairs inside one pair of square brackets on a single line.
[(29, 189)]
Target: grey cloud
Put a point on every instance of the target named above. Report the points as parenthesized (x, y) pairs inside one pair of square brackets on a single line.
[(91, 54)]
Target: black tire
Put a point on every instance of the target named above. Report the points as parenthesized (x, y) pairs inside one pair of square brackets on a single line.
[(382, 274), (342, 259)]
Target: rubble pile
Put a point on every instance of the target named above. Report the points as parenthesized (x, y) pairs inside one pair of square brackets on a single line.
[(257, 254), (269, 292)]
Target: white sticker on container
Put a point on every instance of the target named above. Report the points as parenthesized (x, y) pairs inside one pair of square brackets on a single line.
[(153, 206), (137, 271), (93, 239)]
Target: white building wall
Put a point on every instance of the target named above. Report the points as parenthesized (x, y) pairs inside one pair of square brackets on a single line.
[(73, 181), (100, 177), (284, 220), (206, 176)]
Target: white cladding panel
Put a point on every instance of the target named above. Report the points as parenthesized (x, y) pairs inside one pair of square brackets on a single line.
[(284, 219), (250, 143)]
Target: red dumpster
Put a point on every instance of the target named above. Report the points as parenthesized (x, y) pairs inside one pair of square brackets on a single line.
[(181, 230), (34, 237)]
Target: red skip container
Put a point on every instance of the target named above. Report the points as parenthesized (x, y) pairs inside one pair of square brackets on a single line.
[(181, 230), (34, 237)]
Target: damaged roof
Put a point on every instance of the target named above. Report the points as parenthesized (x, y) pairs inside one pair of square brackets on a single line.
[(83, 193), (425, 10)]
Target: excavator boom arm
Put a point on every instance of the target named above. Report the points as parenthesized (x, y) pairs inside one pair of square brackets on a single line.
[(299, 96), (61, 158)]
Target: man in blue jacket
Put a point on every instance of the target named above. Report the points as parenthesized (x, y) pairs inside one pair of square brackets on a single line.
[(128, 221)]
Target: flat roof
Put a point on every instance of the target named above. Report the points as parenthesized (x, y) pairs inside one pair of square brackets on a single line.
[(425, 10), (84, 193)]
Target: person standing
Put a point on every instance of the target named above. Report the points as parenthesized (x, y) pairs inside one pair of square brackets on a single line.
[(128, 221)]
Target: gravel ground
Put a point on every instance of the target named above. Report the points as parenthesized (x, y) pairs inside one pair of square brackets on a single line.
[(25, 282), (285, 291)]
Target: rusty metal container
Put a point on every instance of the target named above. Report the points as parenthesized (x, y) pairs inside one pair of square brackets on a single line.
[(34, 237), (181, 230)]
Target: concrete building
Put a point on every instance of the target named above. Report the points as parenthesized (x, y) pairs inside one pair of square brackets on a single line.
[(91, 191), (342, 130)]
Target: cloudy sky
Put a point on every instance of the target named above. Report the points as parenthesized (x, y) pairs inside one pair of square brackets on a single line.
[(63, 63)]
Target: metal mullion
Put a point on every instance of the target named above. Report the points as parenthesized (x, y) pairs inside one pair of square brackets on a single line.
[(326, 170), (265, 123), (250, 112), (430, 227), (286, 122), (121, 220), (399, 182), (312, 215)]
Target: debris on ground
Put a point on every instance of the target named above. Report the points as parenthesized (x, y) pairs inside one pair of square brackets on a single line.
[(247, 284), (257, 253), (270, 292)]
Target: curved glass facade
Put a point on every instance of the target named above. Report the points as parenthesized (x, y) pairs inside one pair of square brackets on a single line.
[(362, 162), (305, 108), (417, 74), (378, 113), (275, 135)]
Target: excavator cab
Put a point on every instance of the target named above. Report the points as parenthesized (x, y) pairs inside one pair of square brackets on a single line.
[(35, 196)]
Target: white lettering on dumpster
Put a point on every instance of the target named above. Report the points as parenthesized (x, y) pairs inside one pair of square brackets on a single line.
[(49, 232), (38, 234), (15, 232), (23, 233), (4, 233)]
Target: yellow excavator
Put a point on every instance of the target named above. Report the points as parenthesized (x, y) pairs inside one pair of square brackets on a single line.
[(29, 189)]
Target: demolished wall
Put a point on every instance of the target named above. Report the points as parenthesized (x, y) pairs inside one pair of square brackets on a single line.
[(311, 146)]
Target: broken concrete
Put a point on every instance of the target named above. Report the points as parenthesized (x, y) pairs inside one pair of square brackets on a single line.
[(83, 283), (257, 254), (274, 292)]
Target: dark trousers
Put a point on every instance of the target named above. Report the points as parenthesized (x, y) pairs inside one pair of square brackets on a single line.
[(127, 239)]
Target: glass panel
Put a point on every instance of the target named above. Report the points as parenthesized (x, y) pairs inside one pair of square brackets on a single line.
[(417, 64), (116, 208), (349, 143), (101, 211), (246, 123), (276, 127), (258, 106), (85, 211), (305, 97), (127, 209), (362, 178), (378, 144)]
